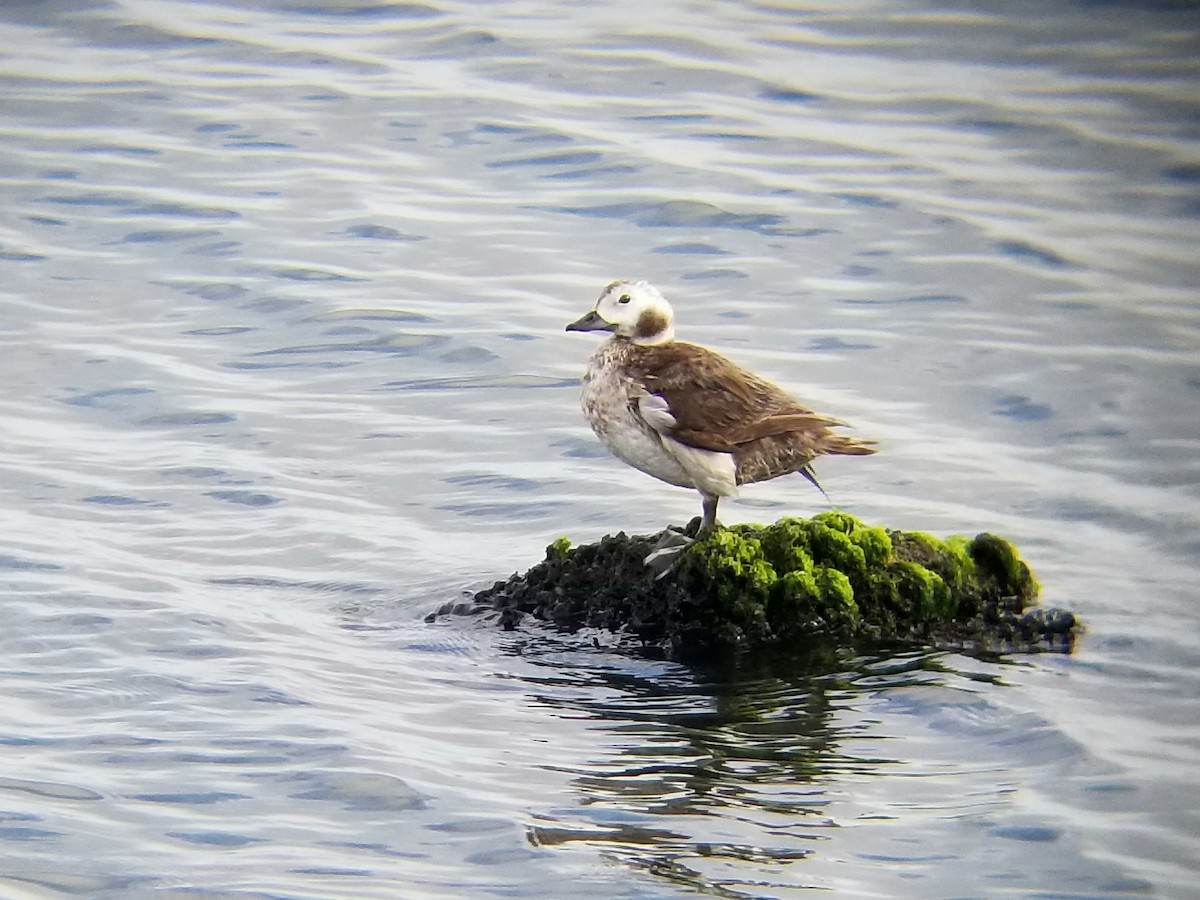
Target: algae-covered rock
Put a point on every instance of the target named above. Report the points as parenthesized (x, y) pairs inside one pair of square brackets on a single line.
[(830, 577)]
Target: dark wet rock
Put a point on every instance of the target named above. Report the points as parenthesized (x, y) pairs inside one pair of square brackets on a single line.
[(830, 578)]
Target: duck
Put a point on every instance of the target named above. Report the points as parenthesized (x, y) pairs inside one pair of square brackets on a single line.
[(688, 416)]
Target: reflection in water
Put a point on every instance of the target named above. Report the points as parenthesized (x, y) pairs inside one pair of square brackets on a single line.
[(764, 745)]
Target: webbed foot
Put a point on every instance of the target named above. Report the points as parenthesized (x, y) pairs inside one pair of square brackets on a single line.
[(666, 551)]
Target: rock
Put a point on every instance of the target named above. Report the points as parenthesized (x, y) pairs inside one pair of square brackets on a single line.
[(829, 578)]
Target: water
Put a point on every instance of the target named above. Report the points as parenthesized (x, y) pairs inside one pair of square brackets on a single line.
[(282, 290)]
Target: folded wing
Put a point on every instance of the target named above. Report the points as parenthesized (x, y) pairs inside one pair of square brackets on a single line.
[(703, 400)]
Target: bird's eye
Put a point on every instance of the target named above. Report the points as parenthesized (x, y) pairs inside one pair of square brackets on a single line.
[(624, 298)]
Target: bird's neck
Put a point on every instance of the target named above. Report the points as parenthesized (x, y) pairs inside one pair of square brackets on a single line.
[(654, 326), (662, 336)]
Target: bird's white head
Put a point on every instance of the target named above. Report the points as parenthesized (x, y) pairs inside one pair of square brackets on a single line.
[(631, 309)]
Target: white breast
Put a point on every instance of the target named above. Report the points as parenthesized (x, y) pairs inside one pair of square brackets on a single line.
[(609, 402)]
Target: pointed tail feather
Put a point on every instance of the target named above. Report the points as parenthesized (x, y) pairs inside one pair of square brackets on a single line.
[(840, 445), (808, 473)]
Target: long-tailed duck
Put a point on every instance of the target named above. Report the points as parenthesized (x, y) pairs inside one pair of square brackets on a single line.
[(688, 416)]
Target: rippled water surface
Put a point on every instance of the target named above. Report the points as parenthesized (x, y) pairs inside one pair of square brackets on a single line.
[(282, 291)]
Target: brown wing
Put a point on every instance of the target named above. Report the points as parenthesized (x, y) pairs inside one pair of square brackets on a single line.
[(716, 404)]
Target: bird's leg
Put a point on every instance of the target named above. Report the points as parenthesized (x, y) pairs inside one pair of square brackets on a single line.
[(709, 522)]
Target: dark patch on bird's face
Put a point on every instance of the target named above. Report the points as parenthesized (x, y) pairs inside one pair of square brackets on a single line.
[(650, 323)]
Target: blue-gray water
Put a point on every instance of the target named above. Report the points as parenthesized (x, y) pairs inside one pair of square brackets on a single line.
[(282, 290)]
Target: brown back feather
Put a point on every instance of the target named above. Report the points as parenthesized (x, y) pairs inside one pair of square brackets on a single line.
[(720, 406), (716, 403)]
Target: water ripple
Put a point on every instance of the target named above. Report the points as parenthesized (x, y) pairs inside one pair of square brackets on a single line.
[(282, 287)]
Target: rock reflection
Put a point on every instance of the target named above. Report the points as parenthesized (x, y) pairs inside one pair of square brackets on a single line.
[(756, 746)]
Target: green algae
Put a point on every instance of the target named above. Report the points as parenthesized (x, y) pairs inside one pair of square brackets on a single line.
[(558, 548), (829, 577), (998, 559), (835, 574)]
